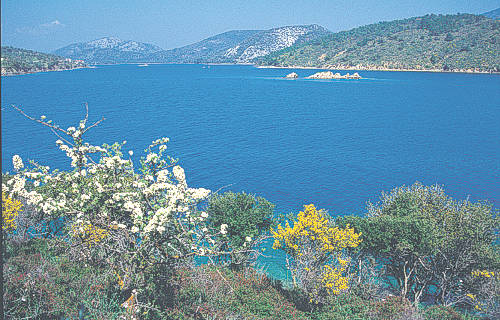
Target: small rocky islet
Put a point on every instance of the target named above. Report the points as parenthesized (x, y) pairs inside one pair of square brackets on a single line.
[(326, 75)]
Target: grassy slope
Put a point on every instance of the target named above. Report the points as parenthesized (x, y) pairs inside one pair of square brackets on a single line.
[(450, 42), (20, 61)]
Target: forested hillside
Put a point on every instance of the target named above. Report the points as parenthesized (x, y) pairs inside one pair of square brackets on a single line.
[(461, 42), (20, 61)]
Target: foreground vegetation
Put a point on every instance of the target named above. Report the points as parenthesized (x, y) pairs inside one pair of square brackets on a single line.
[(461, 42), (20, 61), (108, 241)]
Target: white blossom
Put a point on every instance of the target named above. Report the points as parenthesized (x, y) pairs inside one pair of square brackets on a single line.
[(179, 174), (17, 162), (199, 193), (223, 228), (160, 229), (151, 157), (162, 175), (19, 184)]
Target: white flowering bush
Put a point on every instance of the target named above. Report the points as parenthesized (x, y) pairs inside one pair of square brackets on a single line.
[(130, 219)]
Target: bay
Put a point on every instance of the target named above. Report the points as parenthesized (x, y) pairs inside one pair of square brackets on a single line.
[(334, 143)]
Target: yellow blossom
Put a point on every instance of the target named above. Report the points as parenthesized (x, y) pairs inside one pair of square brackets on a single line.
[(313, 232), (89, 233), (10, 211)]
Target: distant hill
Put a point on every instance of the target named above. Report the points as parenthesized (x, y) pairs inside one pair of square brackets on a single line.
[(211, 49), (20, 61), (109, 50), (439, 42), (237, 46), (493, 14), (243, 46)]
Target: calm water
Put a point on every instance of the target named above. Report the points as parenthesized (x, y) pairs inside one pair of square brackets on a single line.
[(336, 143)]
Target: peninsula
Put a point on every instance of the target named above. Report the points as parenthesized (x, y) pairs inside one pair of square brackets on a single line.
[(17, 61)]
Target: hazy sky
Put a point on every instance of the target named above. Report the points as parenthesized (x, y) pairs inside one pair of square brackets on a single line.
[(46, 25)]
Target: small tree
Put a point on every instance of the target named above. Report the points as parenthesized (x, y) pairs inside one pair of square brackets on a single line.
[(426, 239), (244, 220), (316, 249), (137, 224)]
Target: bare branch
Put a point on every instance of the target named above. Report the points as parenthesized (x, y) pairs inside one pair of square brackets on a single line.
[(86, 112), (40, 121), (61, 137), (94, 125)]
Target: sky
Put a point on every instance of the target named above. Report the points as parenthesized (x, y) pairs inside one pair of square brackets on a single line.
[(51, 24)]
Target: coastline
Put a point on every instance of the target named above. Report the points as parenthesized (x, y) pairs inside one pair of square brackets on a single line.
[(40, 71), (348, 68), (342, 68)]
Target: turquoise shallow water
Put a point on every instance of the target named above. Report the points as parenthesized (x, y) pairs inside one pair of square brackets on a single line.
[(334, 143)]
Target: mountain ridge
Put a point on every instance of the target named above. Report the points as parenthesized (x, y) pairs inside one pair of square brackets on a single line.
[(493, 14), (234, 46), (109, 50), (206, 49)]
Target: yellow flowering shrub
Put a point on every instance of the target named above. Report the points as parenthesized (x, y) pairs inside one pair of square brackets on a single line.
[(313, 224), (333, 280), (483, 273), (316, 247), (10, 211), (120, 281), (88, 233), (485, 298)]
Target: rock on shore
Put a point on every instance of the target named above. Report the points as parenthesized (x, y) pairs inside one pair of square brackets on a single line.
[(331, 75), (292, 75)]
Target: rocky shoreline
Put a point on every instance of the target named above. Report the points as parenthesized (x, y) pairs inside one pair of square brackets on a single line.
[(19, 73), (357, 68)]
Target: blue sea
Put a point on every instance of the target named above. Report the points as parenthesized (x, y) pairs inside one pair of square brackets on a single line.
[(334, 143)]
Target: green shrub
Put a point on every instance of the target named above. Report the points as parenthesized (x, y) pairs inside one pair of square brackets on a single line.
[(429, 243), (394, 308), (343, 307), (207, 293), (48, 285), (242, 219), (442, 313)]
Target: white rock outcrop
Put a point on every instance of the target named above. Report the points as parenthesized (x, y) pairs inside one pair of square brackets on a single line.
[(322, 75), (330, 75), (292, 75)]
